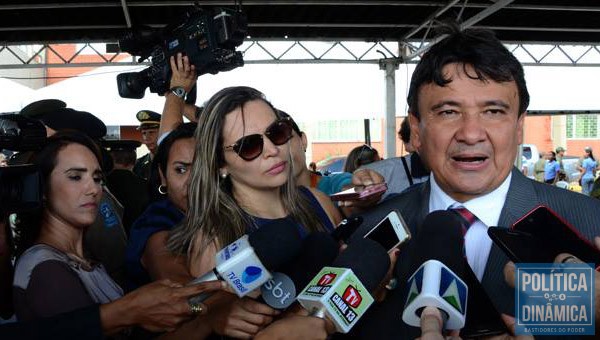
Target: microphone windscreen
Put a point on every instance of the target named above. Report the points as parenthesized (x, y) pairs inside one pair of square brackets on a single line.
[(368, 260), (276, 243), (440, 238), (319, 249)]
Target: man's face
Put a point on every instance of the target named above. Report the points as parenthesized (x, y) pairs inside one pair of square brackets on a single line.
[(149, 137), (468, 132)]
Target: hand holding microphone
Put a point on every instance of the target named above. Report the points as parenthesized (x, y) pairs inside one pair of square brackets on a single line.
[(437, 281), (342, 292), (319, 249), (245, 263)]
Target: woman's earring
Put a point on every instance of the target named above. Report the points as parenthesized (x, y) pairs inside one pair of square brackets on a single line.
[(223, 175), (162, 189)]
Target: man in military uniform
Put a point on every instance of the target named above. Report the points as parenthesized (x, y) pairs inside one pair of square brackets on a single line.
[(149, 124)]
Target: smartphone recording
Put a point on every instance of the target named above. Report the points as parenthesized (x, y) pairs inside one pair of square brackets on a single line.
[(390, 232)]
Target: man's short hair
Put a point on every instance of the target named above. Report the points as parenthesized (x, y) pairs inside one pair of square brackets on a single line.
[(124, 157), (476, 48), (122, 151), (404, 131)]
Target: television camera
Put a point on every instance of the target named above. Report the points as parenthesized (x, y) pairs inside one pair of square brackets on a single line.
[(207, 36), (20, 185)]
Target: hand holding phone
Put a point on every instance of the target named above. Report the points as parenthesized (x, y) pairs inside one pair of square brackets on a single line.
[(390, 232), (540, 235), (359, 193)]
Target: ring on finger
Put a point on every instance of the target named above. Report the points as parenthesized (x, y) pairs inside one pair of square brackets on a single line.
[(570, 259), (195, 307)]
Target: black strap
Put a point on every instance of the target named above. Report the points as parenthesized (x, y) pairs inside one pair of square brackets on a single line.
[(408, 175)]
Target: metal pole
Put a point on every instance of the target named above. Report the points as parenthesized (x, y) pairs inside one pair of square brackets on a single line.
[(389, 66)]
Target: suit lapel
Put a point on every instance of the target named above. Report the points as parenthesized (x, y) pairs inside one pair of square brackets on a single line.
[(520, 199)]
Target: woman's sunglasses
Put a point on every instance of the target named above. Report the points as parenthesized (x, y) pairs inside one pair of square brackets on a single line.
[(251, 146)]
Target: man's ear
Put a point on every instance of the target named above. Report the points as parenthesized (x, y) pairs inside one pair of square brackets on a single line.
[(415, 134), (520, 127)]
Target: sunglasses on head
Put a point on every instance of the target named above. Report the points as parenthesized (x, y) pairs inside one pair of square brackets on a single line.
[(251, 146), (366, 155)]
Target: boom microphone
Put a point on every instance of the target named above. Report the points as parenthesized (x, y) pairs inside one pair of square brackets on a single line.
[(245, 263), (342, 292), (319, 249), (437, 281)]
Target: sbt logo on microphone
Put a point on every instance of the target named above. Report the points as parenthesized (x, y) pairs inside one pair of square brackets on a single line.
[(279, 292), (554, 299)]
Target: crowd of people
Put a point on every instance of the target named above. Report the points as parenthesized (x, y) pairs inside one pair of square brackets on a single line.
[(550, 169), (91, 263)]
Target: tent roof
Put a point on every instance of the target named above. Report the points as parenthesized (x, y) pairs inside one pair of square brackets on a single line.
[(106, 20)]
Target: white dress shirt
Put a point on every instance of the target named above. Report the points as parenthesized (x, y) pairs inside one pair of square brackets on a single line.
[(486, 208)]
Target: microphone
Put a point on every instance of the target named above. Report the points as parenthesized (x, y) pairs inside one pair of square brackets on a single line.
[(245, 263), (319, 249), (437, 282), (342, 292), (346, 228)]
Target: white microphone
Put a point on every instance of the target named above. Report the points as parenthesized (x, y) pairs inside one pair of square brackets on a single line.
[(438, 250), (245, 263), (342, 292), (435, 285)]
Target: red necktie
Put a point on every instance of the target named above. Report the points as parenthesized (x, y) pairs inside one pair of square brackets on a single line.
[(467, 217)]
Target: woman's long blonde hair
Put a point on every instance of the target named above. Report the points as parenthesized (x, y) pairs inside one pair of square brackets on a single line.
[(213, 212)]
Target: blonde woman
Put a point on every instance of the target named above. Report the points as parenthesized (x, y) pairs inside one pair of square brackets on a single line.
[(241, 179)]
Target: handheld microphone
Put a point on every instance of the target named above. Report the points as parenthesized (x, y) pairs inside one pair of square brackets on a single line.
[(346, 228), (342, 292), (319, 249), (245, 263), (437, 281)]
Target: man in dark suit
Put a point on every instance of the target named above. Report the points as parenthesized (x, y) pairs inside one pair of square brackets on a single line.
[(130, 189), (467, 104)]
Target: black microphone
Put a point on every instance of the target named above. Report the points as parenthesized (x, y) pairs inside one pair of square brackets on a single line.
[(245, 263), (319, 249), (441, 238), (438, 266), (346, 228), (342, 292)]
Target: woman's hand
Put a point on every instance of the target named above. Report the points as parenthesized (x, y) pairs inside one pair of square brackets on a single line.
[(159, 306), (239, 318)]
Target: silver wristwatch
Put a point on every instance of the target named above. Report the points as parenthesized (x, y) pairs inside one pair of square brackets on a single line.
[(179, 92)]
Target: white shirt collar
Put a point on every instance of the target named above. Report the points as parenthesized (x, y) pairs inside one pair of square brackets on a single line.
[(487, 208)]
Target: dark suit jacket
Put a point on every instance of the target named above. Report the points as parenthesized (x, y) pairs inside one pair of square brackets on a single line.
[(82, 323), (383, 321), (142, 166), (131, 191)]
